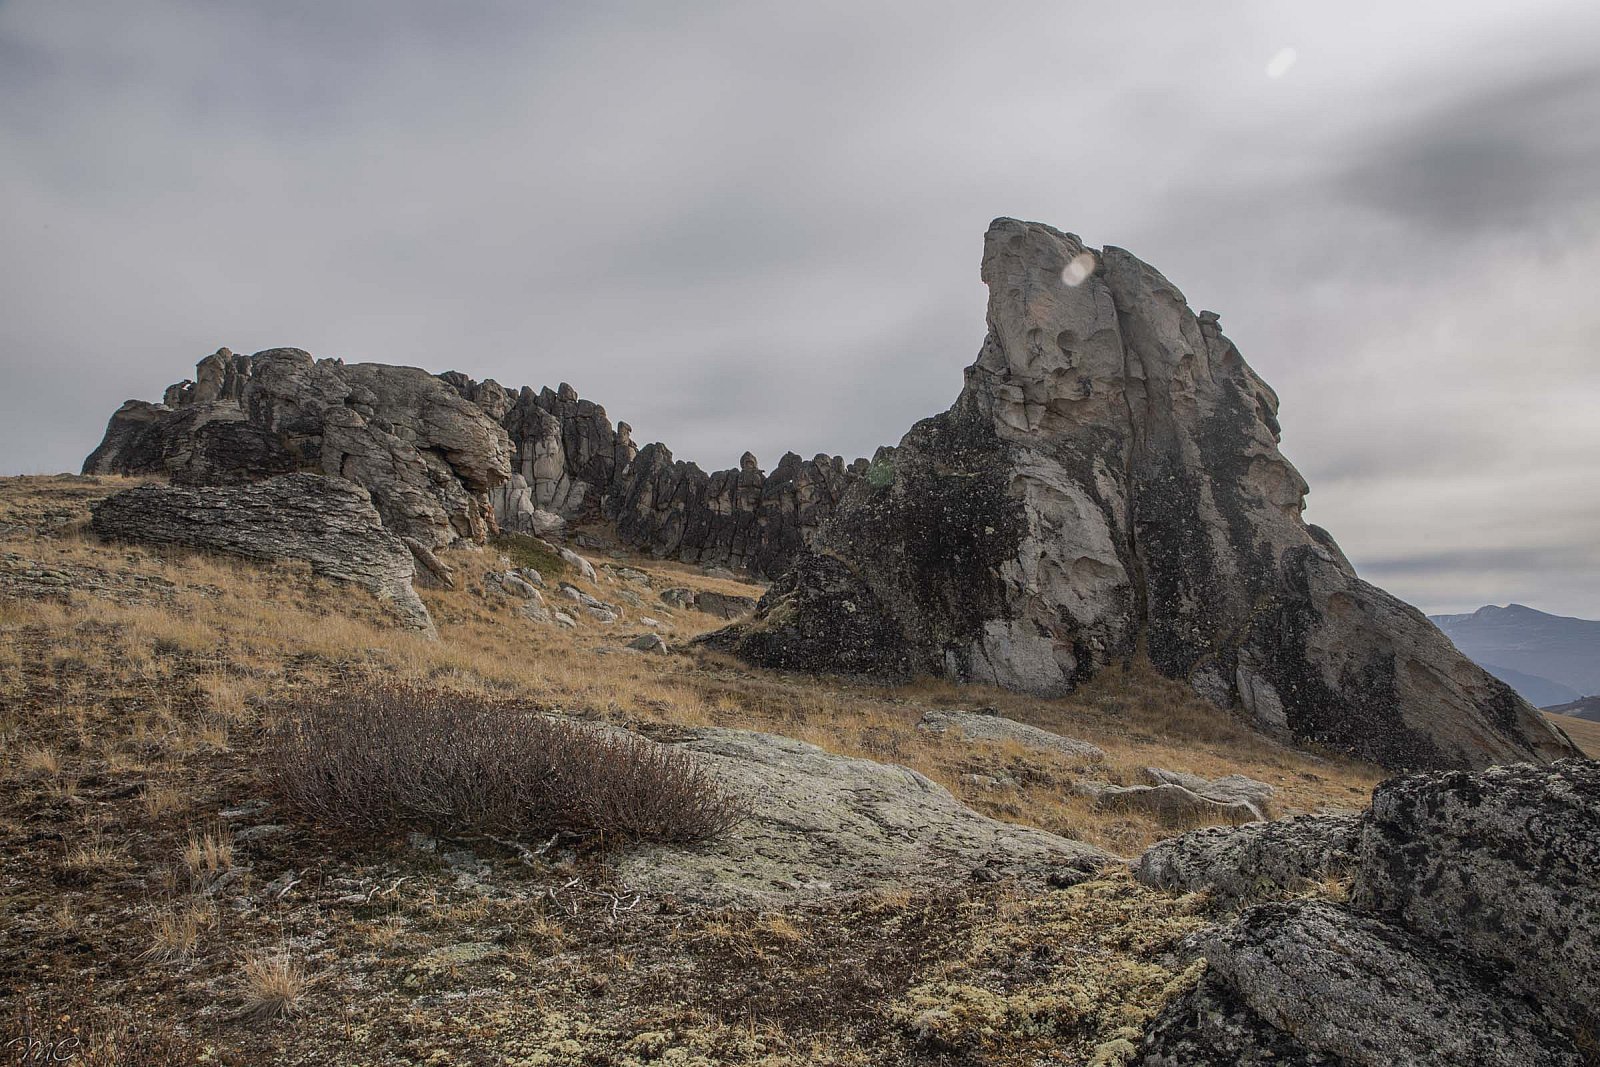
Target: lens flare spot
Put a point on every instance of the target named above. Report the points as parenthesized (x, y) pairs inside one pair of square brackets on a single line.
[(1077, 272), (1280, 63)]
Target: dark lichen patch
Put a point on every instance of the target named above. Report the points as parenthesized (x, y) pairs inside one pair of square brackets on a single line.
[(908, 568)]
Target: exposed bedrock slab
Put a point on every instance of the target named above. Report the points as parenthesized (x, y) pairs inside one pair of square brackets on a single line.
[(986, 726), (1109, 480), (1241, 862), (823, 824)]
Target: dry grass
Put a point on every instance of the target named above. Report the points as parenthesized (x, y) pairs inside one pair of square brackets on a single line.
[(205, 857), (175, 932), (273, 985), (1585, 734), (41, 761), (95, 857), (161, 800)]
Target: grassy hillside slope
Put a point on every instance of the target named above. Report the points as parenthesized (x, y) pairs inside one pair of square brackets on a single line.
[(138, 909)]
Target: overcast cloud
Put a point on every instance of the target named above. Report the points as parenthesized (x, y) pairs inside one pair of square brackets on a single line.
[(758, 225)]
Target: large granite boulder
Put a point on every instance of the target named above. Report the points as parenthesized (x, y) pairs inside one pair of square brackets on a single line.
[(1502, 867), (427, 457), (1470, 935), (329, 523), (1109, 480)]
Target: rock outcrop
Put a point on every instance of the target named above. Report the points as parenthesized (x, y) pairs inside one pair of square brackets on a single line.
[(745, 519), (1470, 937), (822, 824), (1178, 797), (329, 523), (1109, 482), (428, 458), (570, 463), (1502, 867), (447, 457), (1238, 863)]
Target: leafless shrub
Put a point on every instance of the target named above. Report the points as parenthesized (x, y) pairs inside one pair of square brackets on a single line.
[(391, 758)]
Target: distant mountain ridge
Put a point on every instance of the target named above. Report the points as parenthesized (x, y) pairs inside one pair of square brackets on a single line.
[(1549, 659), (1587, 709)]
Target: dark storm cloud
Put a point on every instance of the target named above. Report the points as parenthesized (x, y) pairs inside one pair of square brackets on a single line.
[(1521, 154), (757, 225)]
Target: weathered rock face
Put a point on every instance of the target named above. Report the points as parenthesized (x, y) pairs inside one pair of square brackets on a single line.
[(1109, 480), (327, 522), (1502, 867), (743, 519), (1360, 992), (428, 458), (447, 457), (823, 824), (1470, 936)]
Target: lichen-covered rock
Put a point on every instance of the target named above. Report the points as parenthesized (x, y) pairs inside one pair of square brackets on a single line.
[(1502, 866), (428, 458), (990, 727), (822, 824), (1243, 862), (1469, 937), (327, 522), (650, 642), (1211, 1026), (1109, 480), (1361, 992)]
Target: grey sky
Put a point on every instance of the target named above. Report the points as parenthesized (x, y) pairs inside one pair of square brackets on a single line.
[(758, 225)]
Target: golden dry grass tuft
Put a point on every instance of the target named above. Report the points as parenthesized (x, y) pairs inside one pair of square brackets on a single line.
[(272, 986), (205, 857)]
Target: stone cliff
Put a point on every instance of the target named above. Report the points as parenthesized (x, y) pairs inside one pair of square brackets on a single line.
[(1109, 483)]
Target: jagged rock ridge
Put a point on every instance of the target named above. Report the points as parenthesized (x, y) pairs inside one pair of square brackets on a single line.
[(1108, 483), (449, 458), (569, 462)]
